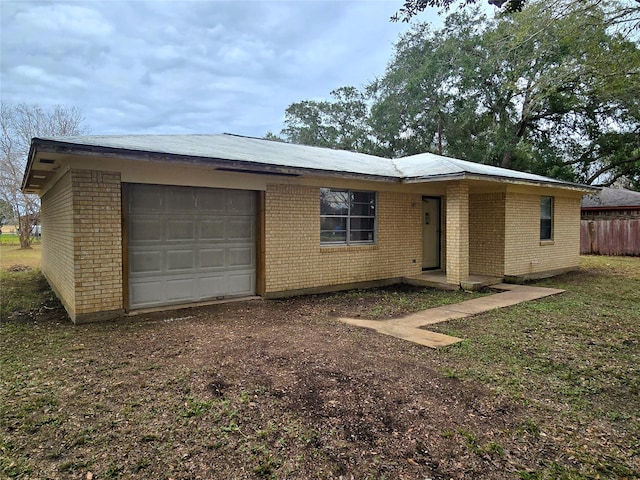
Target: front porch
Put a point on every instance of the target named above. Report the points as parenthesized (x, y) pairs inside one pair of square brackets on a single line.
[(466, 246), (438, 279)]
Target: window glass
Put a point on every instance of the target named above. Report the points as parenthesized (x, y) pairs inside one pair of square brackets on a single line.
[(546, 218), (363, 209), (333, 229), (362, 197), (334, 202), (347, 216), (364, 236), (362, 223)]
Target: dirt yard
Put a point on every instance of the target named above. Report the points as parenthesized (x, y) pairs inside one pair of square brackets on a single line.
[(280, 389)]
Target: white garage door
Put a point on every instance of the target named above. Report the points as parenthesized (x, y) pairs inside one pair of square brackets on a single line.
[(190, 244)]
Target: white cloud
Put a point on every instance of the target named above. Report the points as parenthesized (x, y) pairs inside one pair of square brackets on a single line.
[(29, 72), (62, 19), (190, 66)]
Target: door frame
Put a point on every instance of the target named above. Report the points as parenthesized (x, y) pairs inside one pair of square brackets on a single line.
[(439, 231), (124, 226)]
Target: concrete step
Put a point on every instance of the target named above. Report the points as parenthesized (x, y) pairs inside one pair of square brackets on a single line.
[(438, 280)]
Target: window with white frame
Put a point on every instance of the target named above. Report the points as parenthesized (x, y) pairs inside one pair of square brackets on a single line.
[(347, 217), (546, 218)]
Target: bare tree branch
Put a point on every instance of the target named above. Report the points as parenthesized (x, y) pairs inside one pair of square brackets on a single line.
[(18, 125)]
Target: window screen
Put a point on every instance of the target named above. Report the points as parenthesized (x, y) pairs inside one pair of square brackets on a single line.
[(347, 216)]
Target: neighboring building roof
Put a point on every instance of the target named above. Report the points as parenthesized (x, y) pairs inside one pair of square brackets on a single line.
[(260, 155), (612, 199)]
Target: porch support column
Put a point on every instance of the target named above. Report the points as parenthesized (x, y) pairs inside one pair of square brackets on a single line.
[(457, 233)]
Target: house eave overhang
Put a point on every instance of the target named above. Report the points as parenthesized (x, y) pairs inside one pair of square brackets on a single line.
[(499, 179), (27, 171), (42, 147), (37, 176)]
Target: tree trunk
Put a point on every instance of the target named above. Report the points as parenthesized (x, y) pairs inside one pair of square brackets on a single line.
[(24, 231), (506, 158)]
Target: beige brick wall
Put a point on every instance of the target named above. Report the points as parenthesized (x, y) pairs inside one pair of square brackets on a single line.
[(486, 234), (57, 241), (457, 233), (295, 260), (97, 241), (82, 249), (524, 252), (82, 246)]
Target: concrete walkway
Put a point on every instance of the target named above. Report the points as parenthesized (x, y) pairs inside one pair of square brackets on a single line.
[(409, 327)]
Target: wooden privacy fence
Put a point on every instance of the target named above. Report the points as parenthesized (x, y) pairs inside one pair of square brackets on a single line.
[(615, 236)]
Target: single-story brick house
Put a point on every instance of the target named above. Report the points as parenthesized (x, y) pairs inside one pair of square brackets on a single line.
[(610, 222), (147, 221)]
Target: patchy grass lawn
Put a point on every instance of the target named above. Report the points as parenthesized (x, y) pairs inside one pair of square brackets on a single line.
[(11, 254), (23, 289), (573, 360), (9, 239), (279, 389), (13, 239)]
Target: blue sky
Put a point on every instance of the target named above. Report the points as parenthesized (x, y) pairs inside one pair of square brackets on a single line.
[(191, 66)]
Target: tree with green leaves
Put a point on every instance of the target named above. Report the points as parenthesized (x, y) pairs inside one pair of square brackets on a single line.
[(533, 91), (18, 125), (553, 90), (625, 11), (338, 123), (411, 8)]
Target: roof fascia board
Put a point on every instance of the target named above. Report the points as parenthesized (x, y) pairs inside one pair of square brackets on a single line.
[(500, 179), (27, 170)]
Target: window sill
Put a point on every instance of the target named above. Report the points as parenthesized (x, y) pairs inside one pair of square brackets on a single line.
[(347, 248), (547, 242)]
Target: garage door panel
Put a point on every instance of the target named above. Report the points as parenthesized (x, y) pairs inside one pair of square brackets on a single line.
[(145, 198), (212, 229), (180, 289), (180, 260), (242, 283), (146, 229), (189, 244), (178, 229), (241, 257), (239, 228), (213, 286), (212, 258), (147, 292), (211, 201), (180, 200), (147, 262), (238, 202)]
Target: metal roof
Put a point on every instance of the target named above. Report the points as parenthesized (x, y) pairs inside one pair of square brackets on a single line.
[(252, 152), (428, 165), (241, 149), (612, 198)]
